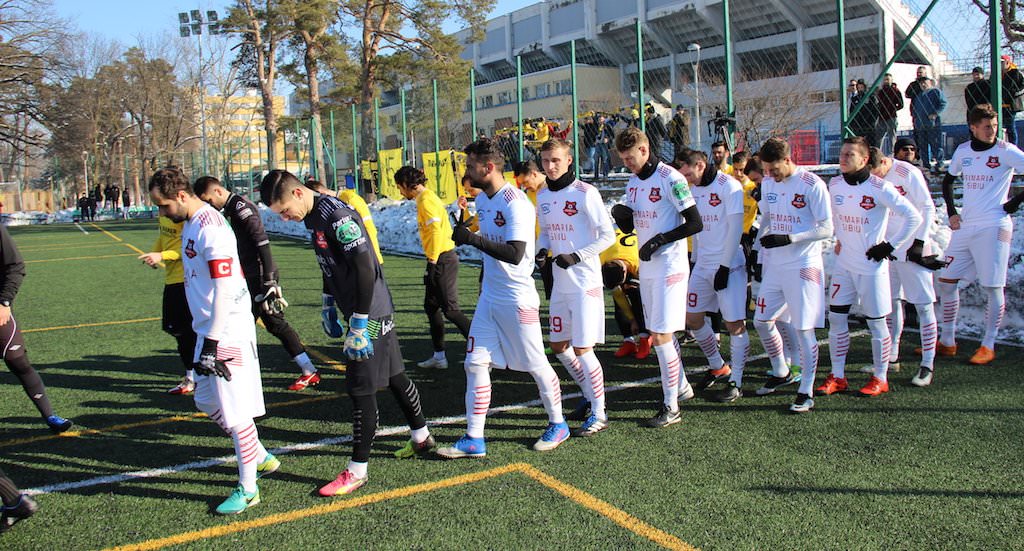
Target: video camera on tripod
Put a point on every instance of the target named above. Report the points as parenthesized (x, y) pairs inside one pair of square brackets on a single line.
[(719, 123)]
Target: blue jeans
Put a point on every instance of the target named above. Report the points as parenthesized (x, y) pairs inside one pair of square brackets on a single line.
[(929, 147), (886, 132), (601, 159)]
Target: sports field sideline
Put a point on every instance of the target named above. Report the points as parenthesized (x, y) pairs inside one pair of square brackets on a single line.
[(917, 468)]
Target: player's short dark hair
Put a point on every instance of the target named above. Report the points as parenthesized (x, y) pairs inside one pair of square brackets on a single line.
[(486, 150), (276, 184), (612, 274), (690, 157), (555, 143), (753, 165), (981, 112), (169, 181), (203, 183), (774, 150), (874, 157), (629, 138), (410, 177), (721, 144), (740, 157), (525, 167), (316, 185), (861, 144)]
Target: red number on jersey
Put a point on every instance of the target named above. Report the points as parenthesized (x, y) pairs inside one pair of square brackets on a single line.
[(691, 300), (761, 304), (835, 289), (556, 324), (220, 267)]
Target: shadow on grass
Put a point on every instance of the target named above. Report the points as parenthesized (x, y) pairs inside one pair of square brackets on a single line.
[(893, 492)]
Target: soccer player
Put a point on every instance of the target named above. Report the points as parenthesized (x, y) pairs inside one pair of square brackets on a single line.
[(795, 214), (620, 272), (531, 179), (661, 209), (260, 271), (441, 279), (354, 278), (505, 332), (861, 206), (910, 275), (228, 386), (12, 273), (575, 228), (176, 319), (16, 505), (719, 278), (982, 229)]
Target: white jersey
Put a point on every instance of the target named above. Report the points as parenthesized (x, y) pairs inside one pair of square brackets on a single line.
[(209, 252), (796, 204), (575, 220), (716, 202), (910, 183), (986, 176), (657, 203), (860, 215), (508, 216)]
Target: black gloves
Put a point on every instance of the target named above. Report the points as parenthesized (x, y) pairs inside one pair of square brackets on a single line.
[(722, 278), (880, 252), (565, 260), (208, 362), (915, 251), (775, 240), (1013, 205), (541, 259), (461, 234), (652, 247), (623, 217)]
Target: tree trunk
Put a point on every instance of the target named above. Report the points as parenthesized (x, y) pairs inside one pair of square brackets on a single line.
[(313, 83)]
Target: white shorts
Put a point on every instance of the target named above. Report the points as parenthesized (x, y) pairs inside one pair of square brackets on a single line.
[(911, 282), (731, 301), (872, 291), (664, 301), (800, 291), (506, 336), (577, 317), (239, 400), (979, 252)]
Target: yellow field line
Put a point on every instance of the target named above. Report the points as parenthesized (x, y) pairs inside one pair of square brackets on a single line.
[(326, 360), (77, 258), (81, 325), (616, 515), (121, 241), (318, 510), (149, 423)]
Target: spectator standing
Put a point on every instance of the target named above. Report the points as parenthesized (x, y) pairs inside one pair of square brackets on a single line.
[(1013, 87), (588, 135), (890, 103), (906, 150), (657, 134), (978, 91), (927, 109), (864, 122), (126, 202), (605, 135), (114, 196), (913, 89), (679, 129)]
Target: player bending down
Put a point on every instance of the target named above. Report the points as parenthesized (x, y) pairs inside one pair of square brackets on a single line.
[(505, 332), (228, 385), (353, 277), (659, 206)]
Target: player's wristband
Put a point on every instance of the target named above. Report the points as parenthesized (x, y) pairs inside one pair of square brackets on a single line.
[(326, 301), (358, 321)]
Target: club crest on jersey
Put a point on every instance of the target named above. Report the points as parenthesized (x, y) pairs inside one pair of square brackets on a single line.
[(713, 200), (190, 249), (321, 240), (570, 208), (867, 202), (901, 190), (993, 161), (798, 201), (499, 219), (655, 195)]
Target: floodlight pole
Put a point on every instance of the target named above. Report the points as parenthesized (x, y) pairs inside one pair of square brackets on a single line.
[(696, 88), (202, 101)]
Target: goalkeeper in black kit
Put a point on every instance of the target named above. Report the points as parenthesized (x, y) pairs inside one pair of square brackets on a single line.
[(261, 274)]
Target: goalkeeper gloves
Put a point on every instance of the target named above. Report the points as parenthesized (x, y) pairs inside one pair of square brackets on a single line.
[(329, 318), (271, 299), (208, 362), (358, 346)]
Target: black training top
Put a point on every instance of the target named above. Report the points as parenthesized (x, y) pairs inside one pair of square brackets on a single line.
[(251, 236), (346, 256), (13, 271)]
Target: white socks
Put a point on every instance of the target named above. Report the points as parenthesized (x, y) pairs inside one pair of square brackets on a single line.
[(772, 343), (894, 321), (929, 333), (595, 380), (358, 468), (705, 337), (808, 344), (249, 452), (838, 342), (994, 312), (478, 399), (949, 297), (790, 339), (305, 364), (881, 343), (550, 392), (738, 348), (671, 373)]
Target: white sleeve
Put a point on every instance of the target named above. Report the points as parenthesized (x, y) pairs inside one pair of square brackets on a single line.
[(679, 193), (892, 199), (923, 202), (220, 254), (522, 222), (956, 167), (602, 222), (821, 208), (734, 222)]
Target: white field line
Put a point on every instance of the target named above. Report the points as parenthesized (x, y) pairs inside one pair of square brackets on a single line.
[(332, 441), (81, 228)]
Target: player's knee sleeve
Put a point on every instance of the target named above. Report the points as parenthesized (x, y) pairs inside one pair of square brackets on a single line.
[(878, 328)]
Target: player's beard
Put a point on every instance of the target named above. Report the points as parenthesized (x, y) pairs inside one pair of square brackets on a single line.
[(177, 218)]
